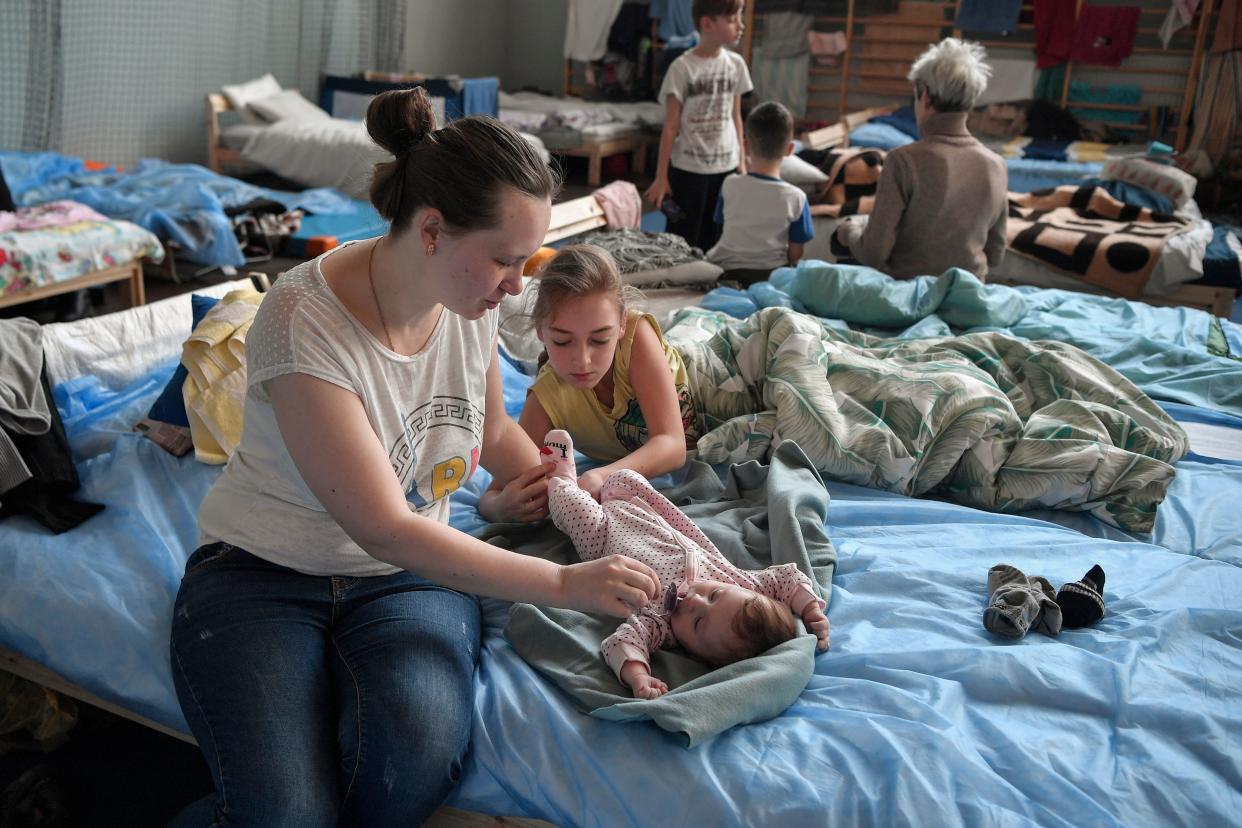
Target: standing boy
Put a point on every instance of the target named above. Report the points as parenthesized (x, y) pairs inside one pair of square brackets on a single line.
[(702, 137), (766, 220)]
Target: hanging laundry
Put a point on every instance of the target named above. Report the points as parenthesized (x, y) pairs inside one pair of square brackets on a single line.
[(1105, 35), (1054, 31), (1228, 28), (1013, 79), (586, 28), (827, 47), (676, 19), (782, 79), (1181, 12), (784, 34), (1000, 16)]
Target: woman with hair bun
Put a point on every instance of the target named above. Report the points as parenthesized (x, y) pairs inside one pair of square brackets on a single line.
[(941, 201), (327, 627)]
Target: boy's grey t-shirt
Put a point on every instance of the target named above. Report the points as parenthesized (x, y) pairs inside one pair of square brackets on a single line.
[(427, 411), (707, 140)]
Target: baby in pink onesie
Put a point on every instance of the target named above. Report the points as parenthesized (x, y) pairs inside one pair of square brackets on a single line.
[(716, 612)]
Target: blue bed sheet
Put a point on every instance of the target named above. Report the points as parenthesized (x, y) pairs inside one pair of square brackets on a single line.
[(185, 203), (917, 714)]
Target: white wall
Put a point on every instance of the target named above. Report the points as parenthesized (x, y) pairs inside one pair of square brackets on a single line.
[(521, 41), (461, 37), (535, 48)]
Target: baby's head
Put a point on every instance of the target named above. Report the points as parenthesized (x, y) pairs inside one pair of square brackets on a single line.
[(580, 311), (769, 132), (721, 623)]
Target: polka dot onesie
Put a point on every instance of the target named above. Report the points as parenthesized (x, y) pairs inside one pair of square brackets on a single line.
[(635, 520)]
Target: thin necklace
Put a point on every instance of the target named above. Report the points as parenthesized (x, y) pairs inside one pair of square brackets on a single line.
[(375, 297)]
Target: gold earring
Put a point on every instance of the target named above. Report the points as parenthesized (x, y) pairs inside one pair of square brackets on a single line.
[(431, 249)]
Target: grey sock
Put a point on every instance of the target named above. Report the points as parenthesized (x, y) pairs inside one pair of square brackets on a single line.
[(1017, 603)]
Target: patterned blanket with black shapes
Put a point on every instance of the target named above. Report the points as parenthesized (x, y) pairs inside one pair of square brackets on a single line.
[(1086, 233)]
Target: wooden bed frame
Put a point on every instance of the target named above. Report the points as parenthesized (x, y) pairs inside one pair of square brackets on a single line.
[(130, 272), (218, 155), (569, 218), (596, 151)]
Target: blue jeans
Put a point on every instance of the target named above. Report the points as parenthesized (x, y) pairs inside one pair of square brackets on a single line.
[(320, 700)]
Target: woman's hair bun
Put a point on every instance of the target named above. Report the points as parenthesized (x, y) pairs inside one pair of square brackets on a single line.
[(400, 118)]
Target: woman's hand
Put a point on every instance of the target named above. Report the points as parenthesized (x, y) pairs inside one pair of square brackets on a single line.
[(614, 585), (524, 499)]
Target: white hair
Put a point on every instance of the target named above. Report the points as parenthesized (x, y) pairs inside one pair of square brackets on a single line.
[(953, 72)]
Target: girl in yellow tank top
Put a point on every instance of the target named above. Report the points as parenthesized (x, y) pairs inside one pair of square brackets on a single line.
[(610, 379)]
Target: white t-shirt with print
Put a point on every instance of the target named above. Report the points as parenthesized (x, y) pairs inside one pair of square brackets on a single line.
[(427, 411), (707, 139)]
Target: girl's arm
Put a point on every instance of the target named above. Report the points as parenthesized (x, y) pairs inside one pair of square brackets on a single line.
[(665, 449), (534, 419), (330, 439), (518, 492)]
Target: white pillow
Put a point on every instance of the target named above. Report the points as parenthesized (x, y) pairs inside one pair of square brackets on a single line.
[(799, 173), (243, 93), (288, 103)]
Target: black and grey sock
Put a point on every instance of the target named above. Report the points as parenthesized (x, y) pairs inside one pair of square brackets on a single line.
[(1082, 602), (1017, 603)]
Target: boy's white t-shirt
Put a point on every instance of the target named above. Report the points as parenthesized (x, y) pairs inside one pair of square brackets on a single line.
[(757, 213), (707, 139), (427, 411)]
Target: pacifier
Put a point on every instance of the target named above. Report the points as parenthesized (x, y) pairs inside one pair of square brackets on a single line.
[(675, 595)]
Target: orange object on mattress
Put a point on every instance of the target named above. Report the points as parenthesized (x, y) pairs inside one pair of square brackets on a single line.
[(536, 262), (318, 245)]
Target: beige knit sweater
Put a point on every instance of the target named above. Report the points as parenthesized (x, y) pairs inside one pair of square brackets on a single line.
[(941, 202)]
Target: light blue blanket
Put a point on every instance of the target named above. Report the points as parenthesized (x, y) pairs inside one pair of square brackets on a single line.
[(182, 202)]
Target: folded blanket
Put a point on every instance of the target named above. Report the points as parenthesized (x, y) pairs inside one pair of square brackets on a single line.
[(982, 419), (215, 385), (761, 515), (1086, 233)]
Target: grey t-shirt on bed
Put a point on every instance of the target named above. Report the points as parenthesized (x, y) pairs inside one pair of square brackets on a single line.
[(427, 411)]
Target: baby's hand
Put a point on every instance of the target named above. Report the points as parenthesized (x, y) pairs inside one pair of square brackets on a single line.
[(592, 482), (649, 687), (817, 623), (641, 682)]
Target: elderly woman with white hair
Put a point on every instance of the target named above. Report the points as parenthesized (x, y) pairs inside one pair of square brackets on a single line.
[(941, 201)]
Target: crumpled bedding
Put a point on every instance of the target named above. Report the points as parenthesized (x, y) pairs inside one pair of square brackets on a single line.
[(184, 203), (983, 419)]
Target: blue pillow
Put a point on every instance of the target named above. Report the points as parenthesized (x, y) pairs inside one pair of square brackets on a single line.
[(169, 407)]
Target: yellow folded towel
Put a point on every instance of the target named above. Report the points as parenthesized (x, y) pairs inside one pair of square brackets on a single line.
[(215, 390), (1085, 152)]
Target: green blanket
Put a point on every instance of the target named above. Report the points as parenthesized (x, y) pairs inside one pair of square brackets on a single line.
[(983, 419), (760, 516)]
